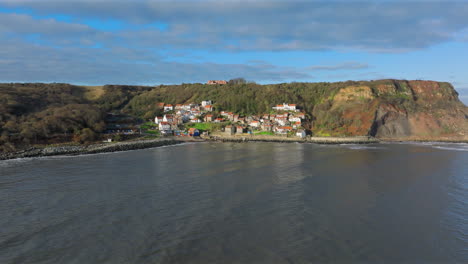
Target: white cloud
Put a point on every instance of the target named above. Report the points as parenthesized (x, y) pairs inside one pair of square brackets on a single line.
[(275, 25)]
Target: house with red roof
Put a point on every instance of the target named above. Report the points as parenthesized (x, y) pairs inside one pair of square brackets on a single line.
[(209, 118), (216, 82), (168, 108)]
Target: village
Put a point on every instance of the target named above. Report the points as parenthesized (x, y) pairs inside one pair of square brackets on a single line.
[(284, 120)]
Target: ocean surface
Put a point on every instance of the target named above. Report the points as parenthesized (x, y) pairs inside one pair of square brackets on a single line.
[(239, 203)]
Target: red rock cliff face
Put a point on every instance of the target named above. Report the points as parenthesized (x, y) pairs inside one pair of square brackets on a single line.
[(396, 109), (432, 110)]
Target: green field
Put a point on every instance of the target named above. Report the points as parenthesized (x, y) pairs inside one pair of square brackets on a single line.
[(268, 133), (206, 126)]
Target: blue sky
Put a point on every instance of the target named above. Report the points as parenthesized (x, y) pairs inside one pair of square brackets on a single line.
[(93, 42)]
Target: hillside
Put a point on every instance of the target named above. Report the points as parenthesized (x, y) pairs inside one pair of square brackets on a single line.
[(44, 113)]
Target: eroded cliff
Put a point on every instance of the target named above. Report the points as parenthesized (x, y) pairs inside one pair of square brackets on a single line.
[(393, 109)]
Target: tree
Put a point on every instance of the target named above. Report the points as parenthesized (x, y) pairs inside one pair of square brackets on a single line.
[(87, 135), (237, 81)]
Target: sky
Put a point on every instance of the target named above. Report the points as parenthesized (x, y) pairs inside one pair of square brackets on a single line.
[(149, 42)]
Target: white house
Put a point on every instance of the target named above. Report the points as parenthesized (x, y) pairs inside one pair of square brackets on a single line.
[(208, 108), (168, 108), (157, 120), (164, 126), (283, 129), (187, 107), (285, 107), (294, 119), (255, 124), (281, 120), (194, 120), (205, 103), (301, 133), (168, 118)]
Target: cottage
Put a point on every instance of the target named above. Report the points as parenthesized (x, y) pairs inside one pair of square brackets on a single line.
[(194, 119), (164, 126), (301, 133), (160, 105), (239, 130), (208, 108), (281, 120), (157, 120), (230, 130), (266, 127), (282, 130), (193, 132), (294, 119), (187, 107), (209, 118), (168, 108), (216, 82), (255, 124), (205, 103), (285, 107), (218, 120), (168, 119)]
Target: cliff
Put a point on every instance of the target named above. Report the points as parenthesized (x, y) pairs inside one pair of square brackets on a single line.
[(394, 109)]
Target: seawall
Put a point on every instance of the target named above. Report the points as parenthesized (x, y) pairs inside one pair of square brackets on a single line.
[(89, 149), (318, 140)]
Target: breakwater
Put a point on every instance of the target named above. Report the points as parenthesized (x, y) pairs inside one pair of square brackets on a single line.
[(89, 149), (318, 140)]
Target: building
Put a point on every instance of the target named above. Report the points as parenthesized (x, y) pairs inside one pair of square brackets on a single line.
[(160, 105), (294, 119), (205, 103), (267, 127), (158, 119), (239, 130), (216, 82), (168, 119), (281, 120), (168, 108), (194, 119), (255, 124), (283, 130), (164, 126), (209, 118), (218, 120), (285, 107), (301, 133), (187, 107), (208, 108), (230, 130), (193, 132)]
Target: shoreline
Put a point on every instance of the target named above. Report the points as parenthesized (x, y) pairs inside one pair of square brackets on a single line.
[(90, 149), (73, 150)]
